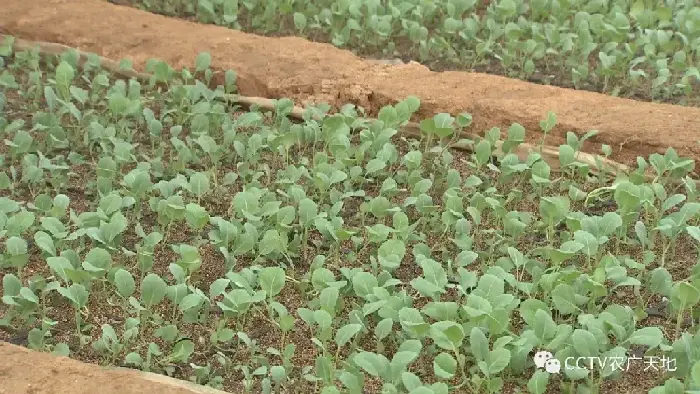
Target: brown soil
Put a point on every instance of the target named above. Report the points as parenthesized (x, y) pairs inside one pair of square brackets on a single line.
[(41, 373), (305, 71)]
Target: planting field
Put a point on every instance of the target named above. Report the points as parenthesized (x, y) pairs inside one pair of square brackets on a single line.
[(640, 49), (421, 232), (304, 71)]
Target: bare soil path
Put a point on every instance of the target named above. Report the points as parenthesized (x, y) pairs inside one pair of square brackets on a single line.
[(306, 71), (23, 371)]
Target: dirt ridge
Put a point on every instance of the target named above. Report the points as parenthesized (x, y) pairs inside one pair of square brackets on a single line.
[(306, 71), (24, 371)]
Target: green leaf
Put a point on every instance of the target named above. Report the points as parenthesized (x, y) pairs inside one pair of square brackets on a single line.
[(422, 390), (529, 308), (498, 360), (324, 368), (97, 260), (7, 46), (28, 295), (391, 253), (11, 285), (218, 287), (383, 328), (308, 211), (410, 380), (544, 326), (479, 344), (299, 21), (589, 242), (660, 281), (538, 382), (45, 242), (124, 281), (167, 333), (59, 265), (443, 123), (153, 289), (447, 334), (564, 299), (77, 294), (444, 366), (372, 363), (402, 359), (190, 301), (199, 184), (111, 203), (375, 165), (61, 350), (181, 351), (329, 298), (346, 333), (649, 336), (491, 287), (272, 280), (64, 75), (323, 319), (133, 358), (272, 242), (411, 349), (585, 343), (687, 294), (203, 61), (16, 246), (483, 152), (695, 372), (548, 124), (641, 230)]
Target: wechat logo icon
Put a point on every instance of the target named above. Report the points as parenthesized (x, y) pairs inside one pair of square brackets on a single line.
[(545, 359)]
